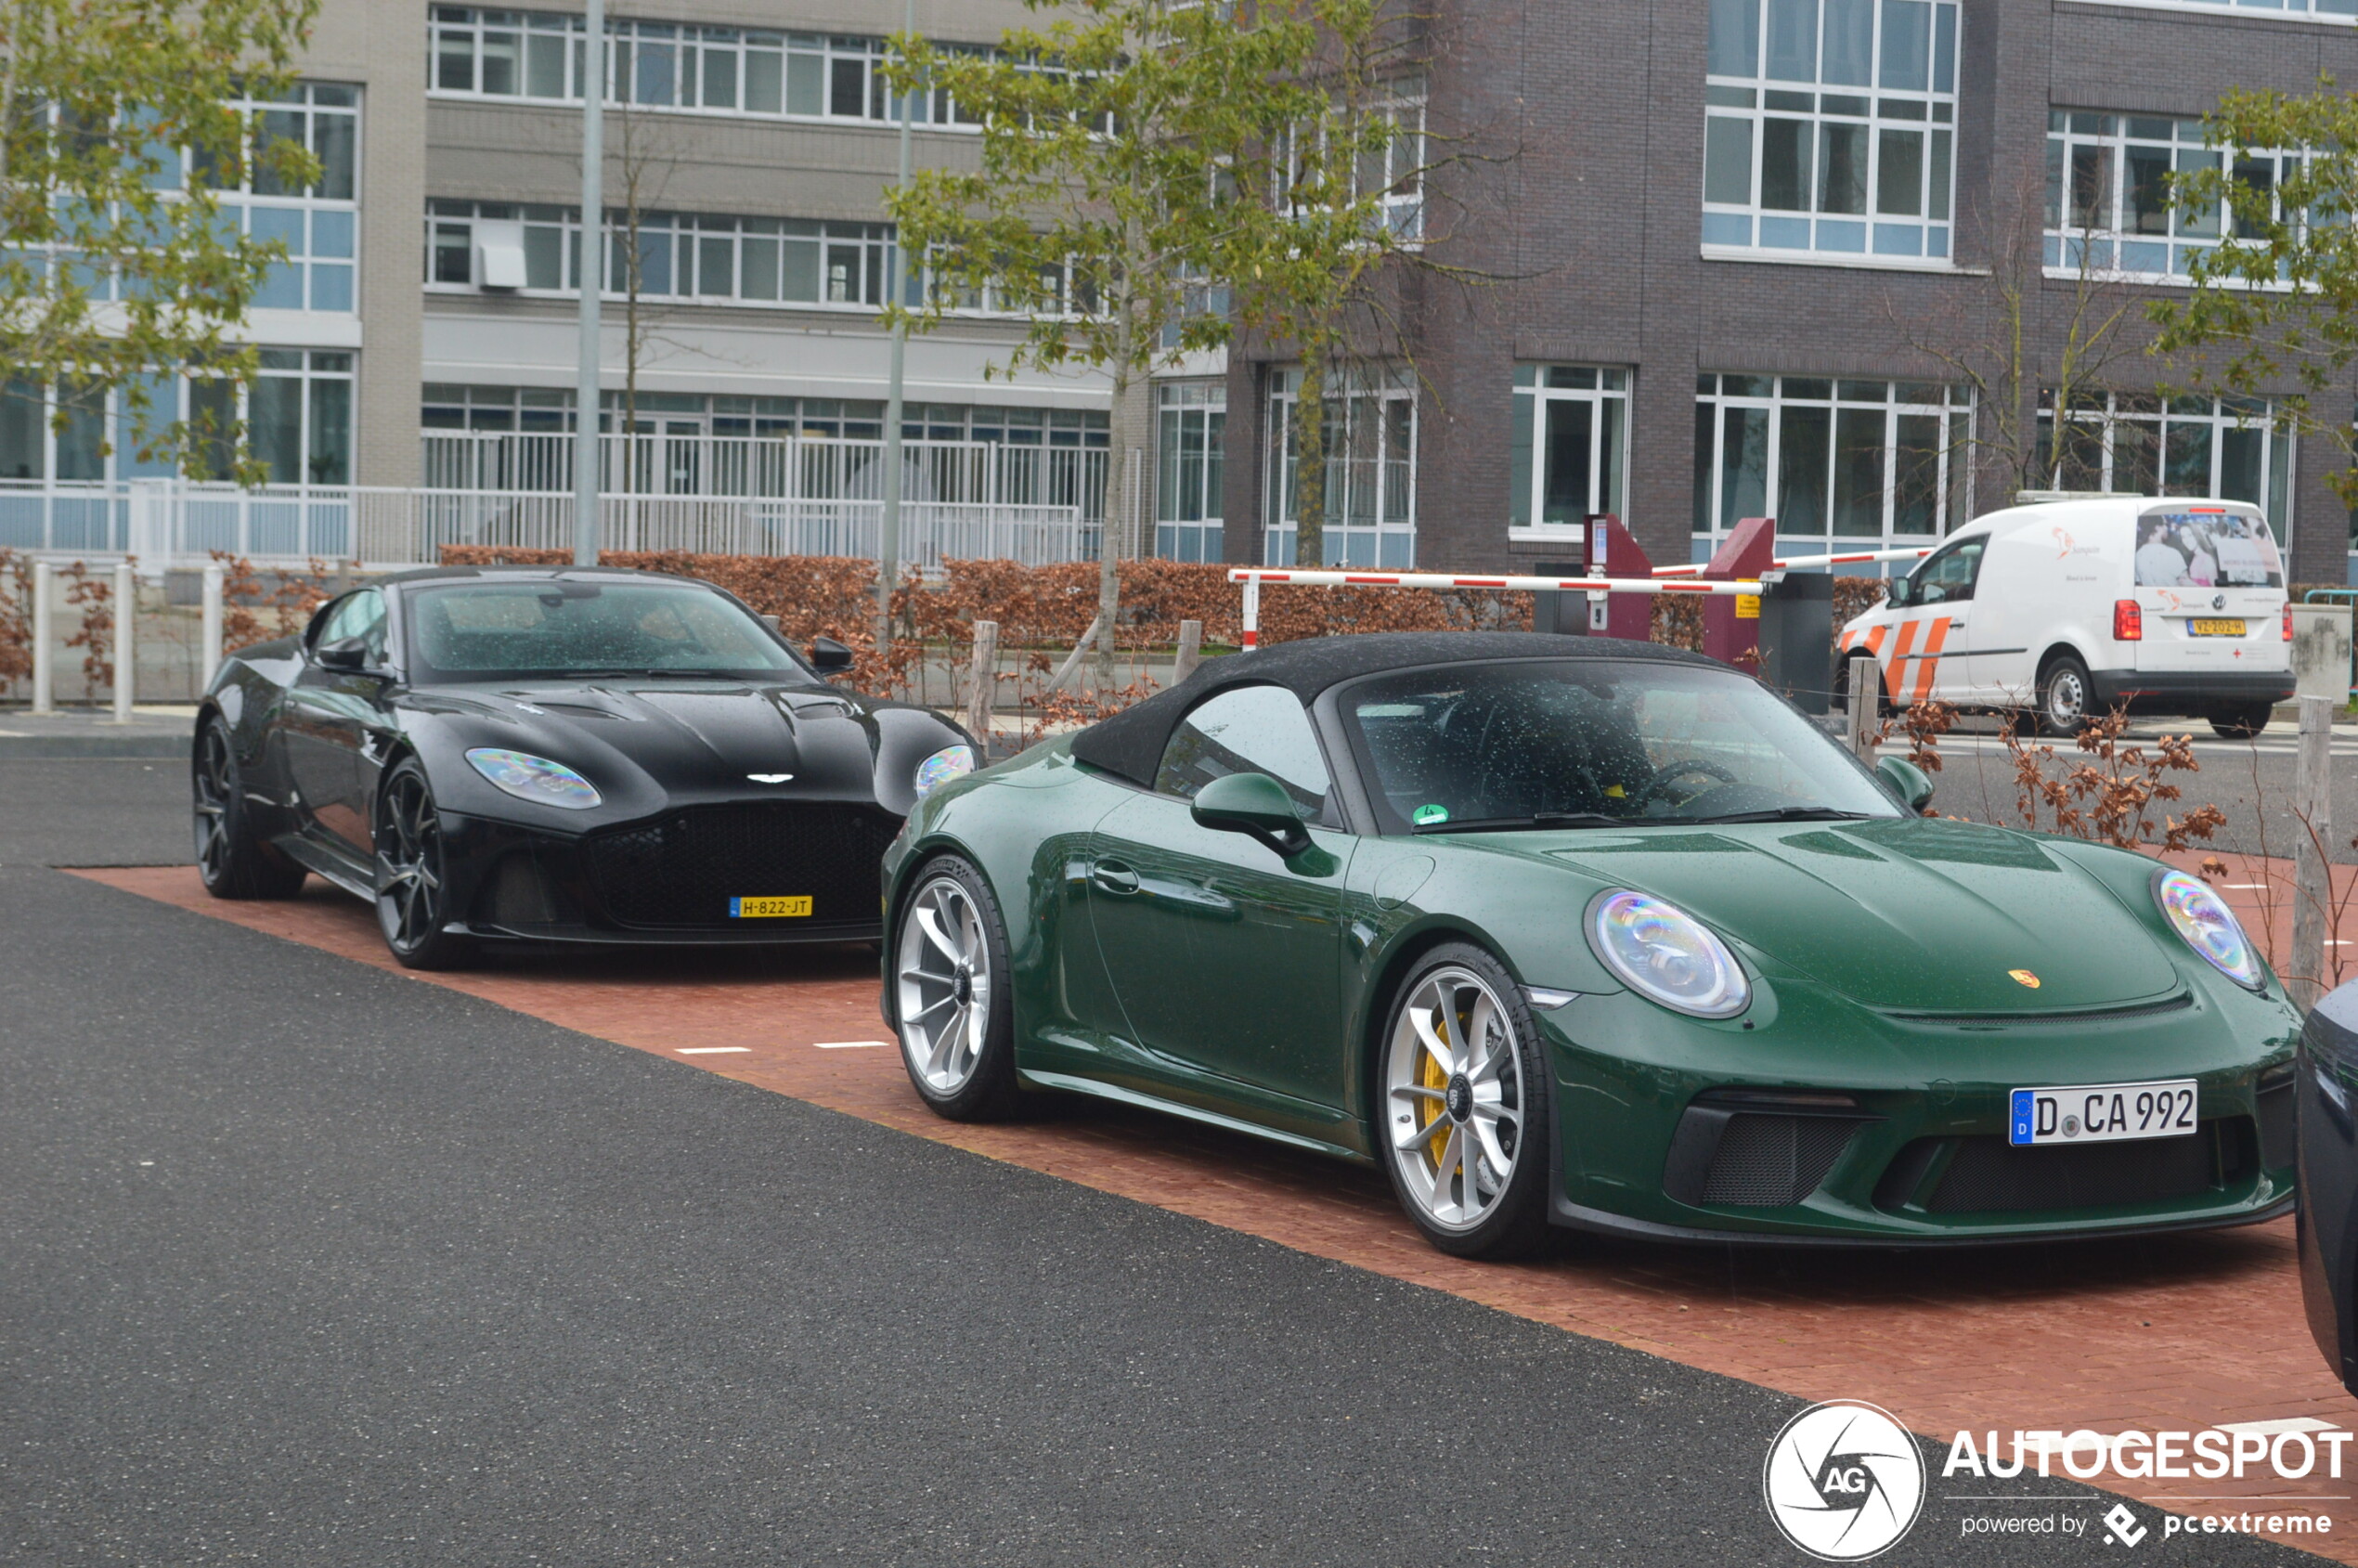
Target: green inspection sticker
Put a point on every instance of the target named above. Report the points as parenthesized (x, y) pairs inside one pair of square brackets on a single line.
[(1424, 816)]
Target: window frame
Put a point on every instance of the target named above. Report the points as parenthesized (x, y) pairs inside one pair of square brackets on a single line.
[(1183, 409), (1537, 386), (1391, 401), (2277, 459), (1883, 115), (1952, 483)]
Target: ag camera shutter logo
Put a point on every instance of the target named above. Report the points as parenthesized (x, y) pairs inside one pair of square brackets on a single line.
[(1844, 1480)]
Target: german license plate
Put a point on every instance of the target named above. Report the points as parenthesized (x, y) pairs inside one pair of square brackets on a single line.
[(2098, 1113), (2216, 629), (769, 909)]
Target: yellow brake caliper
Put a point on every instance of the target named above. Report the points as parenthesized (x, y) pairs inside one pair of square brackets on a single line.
[(1430, 1075)]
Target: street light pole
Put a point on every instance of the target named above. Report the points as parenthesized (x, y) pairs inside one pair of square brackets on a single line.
[(586, 521), (888, 525)]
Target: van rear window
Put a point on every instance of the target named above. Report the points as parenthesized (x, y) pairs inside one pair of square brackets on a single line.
[(2207, 550)]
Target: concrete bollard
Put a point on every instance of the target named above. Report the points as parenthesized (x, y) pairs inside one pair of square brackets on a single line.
[(982, 683), (2306, 976), (45, 638), (216, 583), (1190, 650), (1865, 689), (127, 616)]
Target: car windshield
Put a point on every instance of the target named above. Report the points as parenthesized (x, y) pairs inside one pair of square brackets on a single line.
[(540, 626), (1594, 743)]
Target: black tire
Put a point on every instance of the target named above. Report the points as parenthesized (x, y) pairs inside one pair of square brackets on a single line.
[(2066, 696), (411, 879), (231, 856), (957, 1037), (1409, 1084), (2242, 723)]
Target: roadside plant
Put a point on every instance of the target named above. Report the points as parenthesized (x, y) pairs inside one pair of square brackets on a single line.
[(2110, 791)]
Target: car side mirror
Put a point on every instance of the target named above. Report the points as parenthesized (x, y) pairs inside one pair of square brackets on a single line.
[(829, 657), (346, 654), (1904, 778), (1256, 805)]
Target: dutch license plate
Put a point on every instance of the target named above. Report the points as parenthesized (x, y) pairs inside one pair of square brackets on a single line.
[(2216, 629), (2101, 1113), (769, 909)]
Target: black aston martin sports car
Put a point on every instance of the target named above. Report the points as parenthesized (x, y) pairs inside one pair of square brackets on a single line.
[(543, 754)]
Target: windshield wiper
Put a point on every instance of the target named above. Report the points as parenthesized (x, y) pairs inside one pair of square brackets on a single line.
[(1782, 814), (1537, 820)]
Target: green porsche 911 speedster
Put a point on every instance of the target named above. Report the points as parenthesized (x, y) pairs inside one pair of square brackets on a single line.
[(1603, 934)]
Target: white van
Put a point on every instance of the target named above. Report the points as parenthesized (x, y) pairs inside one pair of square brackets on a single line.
[(2070, 608)]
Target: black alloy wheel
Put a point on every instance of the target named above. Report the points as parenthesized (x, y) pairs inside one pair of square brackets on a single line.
[(412, 890), (231, 858)]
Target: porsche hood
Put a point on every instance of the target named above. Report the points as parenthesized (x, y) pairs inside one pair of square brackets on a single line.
[(1904, 915)]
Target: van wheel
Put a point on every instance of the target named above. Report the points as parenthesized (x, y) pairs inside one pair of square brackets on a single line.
[(2242, 722), (2064, 696)]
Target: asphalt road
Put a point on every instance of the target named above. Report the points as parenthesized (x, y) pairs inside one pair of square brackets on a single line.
[(303, 1263)]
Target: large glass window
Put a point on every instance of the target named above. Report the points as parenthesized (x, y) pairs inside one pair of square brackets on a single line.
[(1856, 461), (1370, 435), (318, 223), (1567, 451), (2108, 207), (298, 416), (687, 69), (2322, 10), (1830, 126), (2220, 448), (1190, 420)]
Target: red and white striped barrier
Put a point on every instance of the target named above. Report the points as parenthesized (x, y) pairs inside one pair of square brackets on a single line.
[(1798, 561), (1253, 576)]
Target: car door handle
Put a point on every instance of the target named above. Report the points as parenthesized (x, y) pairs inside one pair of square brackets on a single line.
[(1112, 876)]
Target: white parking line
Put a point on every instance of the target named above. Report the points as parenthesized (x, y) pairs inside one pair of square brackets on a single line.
[(709, 1050), (850, 1045)]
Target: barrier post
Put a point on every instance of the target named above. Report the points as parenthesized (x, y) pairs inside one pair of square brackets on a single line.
[(1731, 625), (1866, 695), (2306, 976), (1613, 552), (216, 582), (126, 605), (982, 683), (1190, 650), (45, 638), (1253, 614)]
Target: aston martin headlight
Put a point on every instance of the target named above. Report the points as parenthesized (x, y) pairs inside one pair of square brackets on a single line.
[(1665, 954), (950, 762), (2209, 927), (534, 778)]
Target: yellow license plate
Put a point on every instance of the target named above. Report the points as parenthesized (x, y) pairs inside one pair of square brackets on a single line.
[(2216, 629), (769, 909)]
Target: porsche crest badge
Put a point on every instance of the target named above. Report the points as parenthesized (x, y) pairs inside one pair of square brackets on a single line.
[(2024, 976)]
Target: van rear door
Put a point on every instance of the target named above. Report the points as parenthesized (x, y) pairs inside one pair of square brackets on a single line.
[(2210, 589)]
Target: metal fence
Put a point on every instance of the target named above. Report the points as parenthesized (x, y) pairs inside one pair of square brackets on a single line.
[(779, 468), (168, 522)]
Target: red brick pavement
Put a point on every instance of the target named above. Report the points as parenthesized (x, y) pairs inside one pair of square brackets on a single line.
[(2174, 1332)]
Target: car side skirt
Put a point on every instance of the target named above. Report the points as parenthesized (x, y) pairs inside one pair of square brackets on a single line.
[(1075, 1084)]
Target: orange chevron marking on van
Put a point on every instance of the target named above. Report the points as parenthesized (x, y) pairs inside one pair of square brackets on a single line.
[(1900, 646), (1928, 662)]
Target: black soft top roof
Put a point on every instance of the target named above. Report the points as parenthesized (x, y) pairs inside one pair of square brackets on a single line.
[(529, 574), (1129, 744)]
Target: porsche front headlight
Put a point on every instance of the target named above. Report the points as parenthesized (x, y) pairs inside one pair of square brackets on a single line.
[(534, 778), (2202, 917), (950, 762), (1662, 952)]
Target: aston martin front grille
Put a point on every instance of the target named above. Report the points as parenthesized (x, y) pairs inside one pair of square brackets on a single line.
[(683, 867)]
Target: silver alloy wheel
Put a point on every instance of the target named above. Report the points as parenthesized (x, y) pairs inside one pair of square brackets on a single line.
[(2067, 699), (409, 863), (944, 964), (217, 783), (1453, 1098)]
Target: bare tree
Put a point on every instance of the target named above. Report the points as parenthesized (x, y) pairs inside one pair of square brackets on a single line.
[(648, 155), (2025, 336)]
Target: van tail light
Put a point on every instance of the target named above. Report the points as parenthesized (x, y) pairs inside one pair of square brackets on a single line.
[(2288, 620), (2128, 621)]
